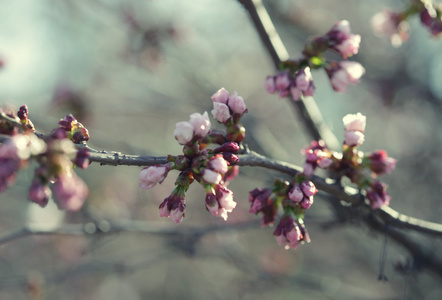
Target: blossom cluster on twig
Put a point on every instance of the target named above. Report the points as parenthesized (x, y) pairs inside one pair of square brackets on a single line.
[(395, 26), (296, 79), (361, 168), (211, 168), (55, 154)]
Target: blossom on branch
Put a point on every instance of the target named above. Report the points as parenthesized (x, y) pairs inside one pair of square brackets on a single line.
[(343, 73), (342, 40), (150, 176)]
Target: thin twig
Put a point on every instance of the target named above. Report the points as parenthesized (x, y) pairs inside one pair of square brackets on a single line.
[(306, 108)]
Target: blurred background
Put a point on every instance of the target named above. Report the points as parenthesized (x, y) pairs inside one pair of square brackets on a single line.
[(130, 70)]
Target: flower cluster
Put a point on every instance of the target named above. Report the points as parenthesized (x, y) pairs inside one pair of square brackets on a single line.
[(296, 79), (55, 155), (293, 198), (295, 85), (395, 26), (212, 168), (75, 131), (361, 168)]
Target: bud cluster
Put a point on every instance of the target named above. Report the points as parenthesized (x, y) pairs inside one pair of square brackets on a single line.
[(361, 168), (296, 79), (395, 26), (293, 198), (212, 168), (55, 155)]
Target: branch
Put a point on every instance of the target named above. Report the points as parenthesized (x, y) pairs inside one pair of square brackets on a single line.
[(112, 227), (306, 107)]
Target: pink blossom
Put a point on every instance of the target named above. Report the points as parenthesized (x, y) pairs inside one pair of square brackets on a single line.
[(220, 112), (200, 123), (343, 27), (164, 212), (150, 176), (349, 46), (309, 169), (70, 192), (296, 194), (377, 195), (303, 79), (310, 90), (354, 138), (183, 132), (391, 25), (381, 163), (39, 193), (173, 206), (177, 215), (287, 233), (346, 73), (269, 85), (225, 200), (237, 104), (211, 177), (307, 202), (218, 164), (282, 81), (211, 202), (308, 188), (296, 93), (221, 96), (324, 163), (262, 202), (355, 122)]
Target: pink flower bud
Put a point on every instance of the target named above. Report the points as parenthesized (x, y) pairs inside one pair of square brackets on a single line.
[(225, 199), (349, 46), (346, 73), (309, 169), (220, 112), (221, 96), (282, 81), (150, 176), (325, 163), (164, 212), (377, 195), (307, 202), (308, 188), (227, 147), (200, 123), (355, 122), (183, 132), (303, 79), (219, 164), (310, 91), (269, 85), (70, 192), (211, 177), (296, 194), (343, 27), (39, 193), (354, 138), (236, 104), (296, 93), (177, 215)]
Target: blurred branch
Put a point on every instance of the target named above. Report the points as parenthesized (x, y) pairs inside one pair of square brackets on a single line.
[(306, 107), (116, 226)]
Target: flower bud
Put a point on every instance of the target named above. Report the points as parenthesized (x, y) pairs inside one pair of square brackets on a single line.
[(221, 112), (221, 96), (183, 132), (200, 123)]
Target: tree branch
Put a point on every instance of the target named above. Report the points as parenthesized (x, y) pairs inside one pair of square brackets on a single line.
[(306, 107)]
